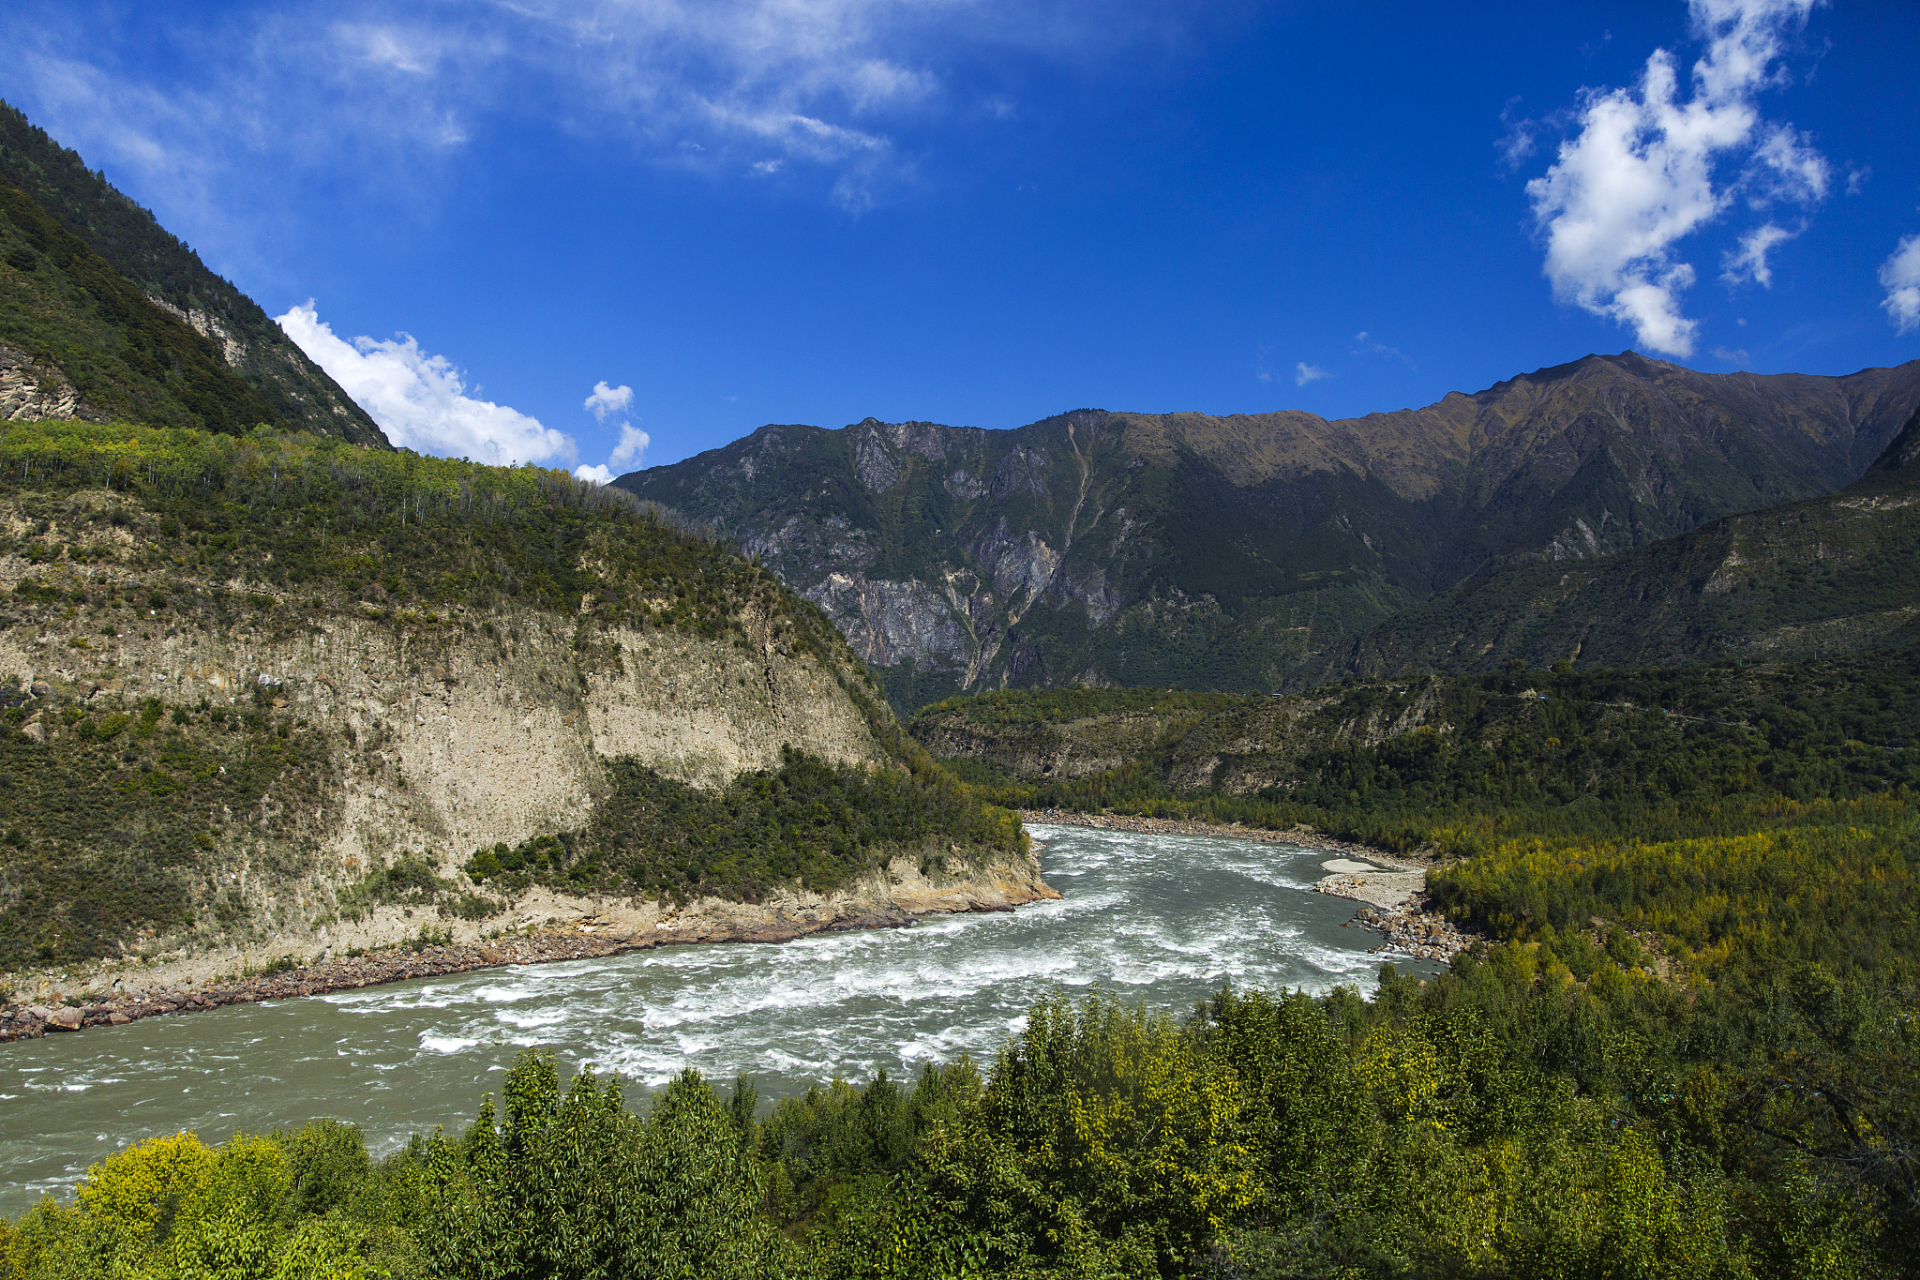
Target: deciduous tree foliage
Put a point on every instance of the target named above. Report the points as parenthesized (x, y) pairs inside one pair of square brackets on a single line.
[(1500, 1121)]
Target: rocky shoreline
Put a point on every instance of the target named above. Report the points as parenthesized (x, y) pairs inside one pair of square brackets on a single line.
[(892, 899), (395, 964), (1394, 902)]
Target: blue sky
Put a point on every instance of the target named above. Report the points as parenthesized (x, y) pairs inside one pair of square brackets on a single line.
[(601, 233)]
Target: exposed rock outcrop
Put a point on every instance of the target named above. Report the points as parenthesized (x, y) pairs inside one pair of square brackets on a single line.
[(33, 389), (1242, 552)]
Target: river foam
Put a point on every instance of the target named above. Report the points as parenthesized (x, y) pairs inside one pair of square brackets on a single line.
[(1156, 918)]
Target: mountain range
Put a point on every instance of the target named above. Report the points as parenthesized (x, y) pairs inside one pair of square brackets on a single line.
[(1616, 510), (1251, 552), (1829, 575)]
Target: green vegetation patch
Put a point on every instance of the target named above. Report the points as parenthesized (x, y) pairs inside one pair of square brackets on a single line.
[(1496, 1122), (1750, 816), (810, 821), (121, 826), (402, 533)]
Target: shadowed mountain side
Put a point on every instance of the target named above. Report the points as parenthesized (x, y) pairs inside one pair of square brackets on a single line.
[(1236, 553), (1805, 579), (169, 277)]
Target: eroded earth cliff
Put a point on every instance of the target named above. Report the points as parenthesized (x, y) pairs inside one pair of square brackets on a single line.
[(232, 732)]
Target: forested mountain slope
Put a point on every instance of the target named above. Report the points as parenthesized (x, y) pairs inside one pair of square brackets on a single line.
[(1827, 575), (1238, 552), (286, 386), (77, 340)]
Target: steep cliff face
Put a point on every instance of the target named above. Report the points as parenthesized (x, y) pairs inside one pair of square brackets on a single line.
[(1237, 553), (229, 729), (425, 741)]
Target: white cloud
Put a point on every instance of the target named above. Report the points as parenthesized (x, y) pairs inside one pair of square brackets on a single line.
[(1640, 176), (626, 455), (1520, 140), (384, 95), (1731, 355), (631, 449), (1303, 373), (1749, 261), (1900, 276), (606, 400), (1368, 347), (1787, 168), (420, 400), (377, 103)]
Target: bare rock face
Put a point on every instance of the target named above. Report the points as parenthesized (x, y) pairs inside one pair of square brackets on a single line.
[(35, 390), (207, 325), (893, 621)]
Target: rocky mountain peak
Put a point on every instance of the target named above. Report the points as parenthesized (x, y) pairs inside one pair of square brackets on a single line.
[(1227, 552)]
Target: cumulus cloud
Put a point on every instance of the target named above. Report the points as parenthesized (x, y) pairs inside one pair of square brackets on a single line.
[(1641, 174), (605, 400), (1749, 261), (420, 400), (1900, 277), (632, 446), (1303, 373)]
